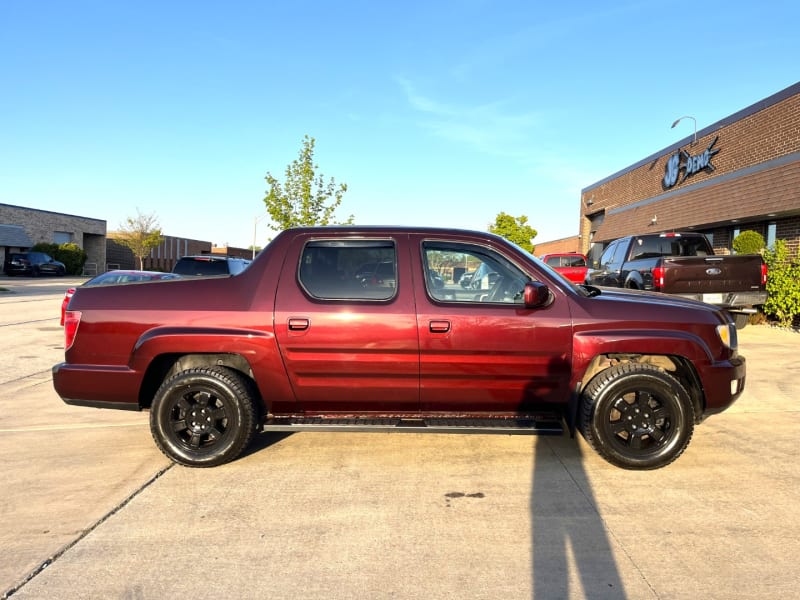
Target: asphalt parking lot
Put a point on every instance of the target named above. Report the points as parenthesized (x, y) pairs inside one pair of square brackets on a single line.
[(90, 509)]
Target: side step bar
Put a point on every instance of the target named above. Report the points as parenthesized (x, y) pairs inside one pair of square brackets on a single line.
[(524, 425)]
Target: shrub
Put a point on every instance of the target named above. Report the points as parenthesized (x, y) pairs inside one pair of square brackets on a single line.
[(72, 255), (783, 284), (748, 242)]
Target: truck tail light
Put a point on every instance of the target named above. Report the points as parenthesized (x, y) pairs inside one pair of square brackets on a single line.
[(764, 273), (658, 278), (72, 319)]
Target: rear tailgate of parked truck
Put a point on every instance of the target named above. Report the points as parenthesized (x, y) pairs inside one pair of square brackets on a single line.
[(712, 275)]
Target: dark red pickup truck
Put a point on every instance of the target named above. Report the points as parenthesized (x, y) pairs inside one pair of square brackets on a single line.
[(299, 341)]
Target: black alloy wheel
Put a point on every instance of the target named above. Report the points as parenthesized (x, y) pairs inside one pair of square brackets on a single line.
[(637, 416), (203, 417)]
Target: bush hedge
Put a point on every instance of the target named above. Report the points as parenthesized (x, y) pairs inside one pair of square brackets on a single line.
[(783, 284), (748, 242)]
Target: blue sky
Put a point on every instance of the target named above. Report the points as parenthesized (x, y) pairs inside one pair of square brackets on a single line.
[(434, 113)]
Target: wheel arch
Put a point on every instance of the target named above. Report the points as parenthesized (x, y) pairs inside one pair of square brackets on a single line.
[(166, 365), (162, 351), (597, 351), (679, 367), (634, 281)]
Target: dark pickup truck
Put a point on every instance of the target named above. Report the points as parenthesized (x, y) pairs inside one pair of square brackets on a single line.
[(684, 264), (299, 341)]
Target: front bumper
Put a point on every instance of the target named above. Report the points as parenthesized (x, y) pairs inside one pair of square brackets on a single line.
[(723, 383)]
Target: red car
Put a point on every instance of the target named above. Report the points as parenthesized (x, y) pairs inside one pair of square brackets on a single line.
[(570, 264), (115, 278)]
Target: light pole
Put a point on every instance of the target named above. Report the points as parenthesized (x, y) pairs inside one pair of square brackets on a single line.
[(255, 228), (695, 126)]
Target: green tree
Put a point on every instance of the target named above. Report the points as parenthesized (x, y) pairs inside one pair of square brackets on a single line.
[(141, 234), (514, 229), (748, 242), (304, 198)]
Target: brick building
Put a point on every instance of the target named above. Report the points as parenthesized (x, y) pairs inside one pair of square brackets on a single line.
[(741, 173), (24, 227), (161, 258), (166, 254)]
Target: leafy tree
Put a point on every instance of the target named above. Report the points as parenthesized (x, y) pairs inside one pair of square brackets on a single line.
[(748, 242), (514, 229), (141, 234), (304, 198)]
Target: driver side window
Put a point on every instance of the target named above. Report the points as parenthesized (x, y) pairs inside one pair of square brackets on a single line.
[(465, 273)]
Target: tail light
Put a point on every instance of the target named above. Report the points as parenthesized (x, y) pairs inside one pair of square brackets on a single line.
[(72, 319), (658, 278), (764, 273)]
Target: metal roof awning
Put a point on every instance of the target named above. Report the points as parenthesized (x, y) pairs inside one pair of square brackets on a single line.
[(14, 236)]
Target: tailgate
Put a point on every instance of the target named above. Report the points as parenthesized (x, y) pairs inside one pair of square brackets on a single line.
[(712, 274)]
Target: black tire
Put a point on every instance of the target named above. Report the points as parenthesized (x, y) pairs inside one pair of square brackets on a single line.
[(740, 320), (637, 416), (203, 417)]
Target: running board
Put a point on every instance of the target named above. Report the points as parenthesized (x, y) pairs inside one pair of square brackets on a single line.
[(527, 425)]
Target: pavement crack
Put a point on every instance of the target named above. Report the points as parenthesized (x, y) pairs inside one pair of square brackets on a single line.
[(49, 561)]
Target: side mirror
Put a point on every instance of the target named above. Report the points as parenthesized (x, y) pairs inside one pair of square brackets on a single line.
[(536, 294)]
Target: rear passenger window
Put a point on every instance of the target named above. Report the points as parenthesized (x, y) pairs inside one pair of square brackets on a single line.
[(349, 270)]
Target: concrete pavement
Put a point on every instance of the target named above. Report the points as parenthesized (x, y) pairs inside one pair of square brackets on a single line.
[(90, 509)]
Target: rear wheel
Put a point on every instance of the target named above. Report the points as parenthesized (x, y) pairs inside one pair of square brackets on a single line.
[(637, 416), (203, 417)]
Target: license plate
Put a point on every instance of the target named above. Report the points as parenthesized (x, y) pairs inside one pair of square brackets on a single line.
[(712, 298)]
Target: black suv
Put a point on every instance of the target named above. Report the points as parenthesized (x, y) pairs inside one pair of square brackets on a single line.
[(32, 263), (207, 264)]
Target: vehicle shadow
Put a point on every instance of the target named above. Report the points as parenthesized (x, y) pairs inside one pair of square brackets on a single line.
[(572, 554), (263, 440)]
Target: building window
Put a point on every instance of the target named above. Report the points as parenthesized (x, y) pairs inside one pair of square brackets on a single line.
[(734, 235), (62, 237), (772, 234)]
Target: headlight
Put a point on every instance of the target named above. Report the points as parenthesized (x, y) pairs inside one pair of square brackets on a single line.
[(727, 335)]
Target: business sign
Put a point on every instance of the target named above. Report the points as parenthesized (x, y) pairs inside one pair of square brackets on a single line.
[(690, 165)]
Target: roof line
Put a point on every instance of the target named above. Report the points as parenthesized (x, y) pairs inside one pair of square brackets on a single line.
[(737, 116)]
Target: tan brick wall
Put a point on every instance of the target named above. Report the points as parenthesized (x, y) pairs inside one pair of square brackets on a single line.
[(570, 244), (41, 225)]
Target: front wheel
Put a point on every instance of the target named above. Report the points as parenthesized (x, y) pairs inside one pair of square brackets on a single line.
[(203, 417), (637, 416)]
